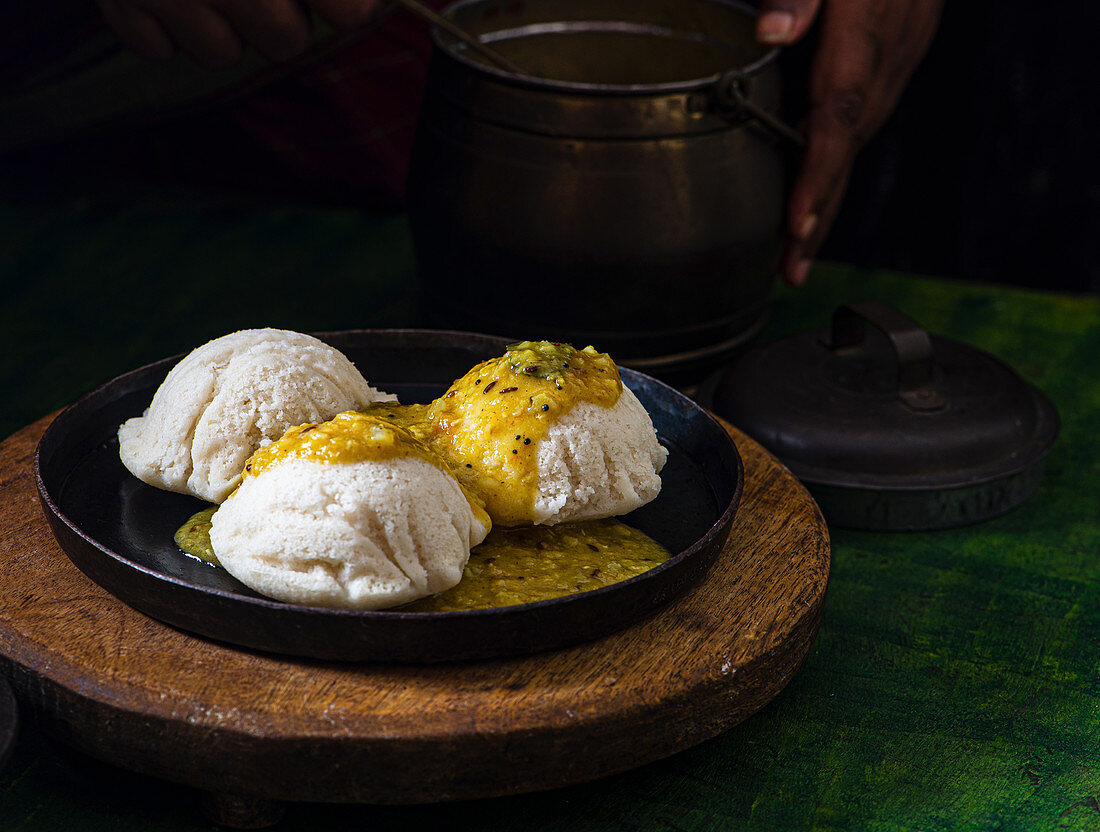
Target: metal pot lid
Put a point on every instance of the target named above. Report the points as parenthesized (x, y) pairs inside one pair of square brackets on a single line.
[(887, 407)]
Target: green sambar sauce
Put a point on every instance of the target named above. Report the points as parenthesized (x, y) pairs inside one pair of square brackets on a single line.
[(194, 536), (518, 566), (513, 566)]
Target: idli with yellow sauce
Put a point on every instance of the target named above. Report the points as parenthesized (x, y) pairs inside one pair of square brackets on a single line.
[(354, 513), (228, 398), (548, 434)]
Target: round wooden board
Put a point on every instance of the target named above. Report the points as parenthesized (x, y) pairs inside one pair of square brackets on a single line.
[(130, 690)]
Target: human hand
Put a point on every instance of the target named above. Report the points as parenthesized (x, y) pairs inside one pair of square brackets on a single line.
[(866, 52), (214, 32)]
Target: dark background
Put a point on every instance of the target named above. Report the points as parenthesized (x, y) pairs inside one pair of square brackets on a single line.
[(986, 171)]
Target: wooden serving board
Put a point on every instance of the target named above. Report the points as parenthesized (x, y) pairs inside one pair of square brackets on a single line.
[(128, 689)]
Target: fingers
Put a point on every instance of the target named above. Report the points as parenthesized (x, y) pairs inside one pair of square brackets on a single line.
[(345, 14), (137, 29), (277, 29), (842, 88), (201, 32), (867, 51), (809, 230), (213, 32), (155, 28), (783, 22)]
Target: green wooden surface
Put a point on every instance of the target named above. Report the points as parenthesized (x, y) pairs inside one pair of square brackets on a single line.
[(955, 684)]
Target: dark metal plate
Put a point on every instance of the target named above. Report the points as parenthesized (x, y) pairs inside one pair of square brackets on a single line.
[(118, 530)]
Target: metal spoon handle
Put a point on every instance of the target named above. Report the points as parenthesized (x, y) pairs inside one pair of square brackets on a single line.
[(420, 10)]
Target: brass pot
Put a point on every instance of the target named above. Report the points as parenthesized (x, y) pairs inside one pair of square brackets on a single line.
[(624, 193)]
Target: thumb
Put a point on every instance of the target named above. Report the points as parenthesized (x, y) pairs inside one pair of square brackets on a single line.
[(782, 22)]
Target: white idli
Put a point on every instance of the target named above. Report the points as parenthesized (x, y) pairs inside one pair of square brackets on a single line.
[(363, 535), (548, 434), (597, 462), (231, 396)]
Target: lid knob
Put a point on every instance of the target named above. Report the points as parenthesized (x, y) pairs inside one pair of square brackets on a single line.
[(912, 348)]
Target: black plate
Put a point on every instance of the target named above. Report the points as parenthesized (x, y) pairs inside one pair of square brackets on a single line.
[(118, 530)]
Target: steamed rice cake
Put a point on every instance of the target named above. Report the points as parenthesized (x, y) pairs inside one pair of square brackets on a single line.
[(231, 396), (354, 513), (548, 434)]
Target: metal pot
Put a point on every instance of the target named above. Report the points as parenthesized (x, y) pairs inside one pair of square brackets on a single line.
[(628, 192)]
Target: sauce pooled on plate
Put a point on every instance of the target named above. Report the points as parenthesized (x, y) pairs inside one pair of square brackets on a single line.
[(513, 566)]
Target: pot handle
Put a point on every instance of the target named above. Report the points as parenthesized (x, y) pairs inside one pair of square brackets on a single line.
[(732, 101), (912, 348)]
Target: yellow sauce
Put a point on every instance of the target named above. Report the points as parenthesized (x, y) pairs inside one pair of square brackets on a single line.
[(489, 423), (346, 438), (513, 566), (412, 417), (357, 437)]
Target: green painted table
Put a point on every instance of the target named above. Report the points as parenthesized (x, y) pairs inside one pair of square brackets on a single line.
[(955, 684)]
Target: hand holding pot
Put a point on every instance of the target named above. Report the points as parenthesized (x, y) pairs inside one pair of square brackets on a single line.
[(866, 52)]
